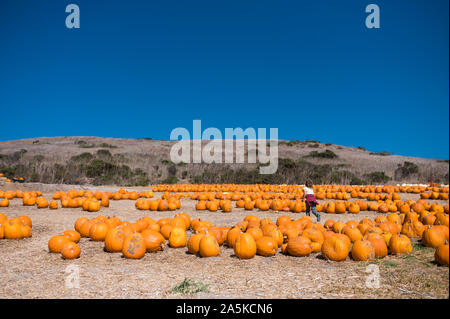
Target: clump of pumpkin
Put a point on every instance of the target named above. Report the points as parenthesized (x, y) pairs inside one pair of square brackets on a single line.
[(15, 228), (166, 203), (66, 244), (92, 201), (132, 239)]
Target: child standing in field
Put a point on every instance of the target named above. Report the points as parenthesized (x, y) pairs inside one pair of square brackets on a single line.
[(311, 202)]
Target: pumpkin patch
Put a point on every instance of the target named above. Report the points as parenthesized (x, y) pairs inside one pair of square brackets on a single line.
[(260, 222)]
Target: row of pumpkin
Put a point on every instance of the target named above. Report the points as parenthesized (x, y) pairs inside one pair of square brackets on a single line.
[(330, 207), (267, 188), (364, 240), (89, 201), (92, 202)]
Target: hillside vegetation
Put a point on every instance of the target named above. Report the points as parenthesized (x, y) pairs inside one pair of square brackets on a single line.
[(110, 161)]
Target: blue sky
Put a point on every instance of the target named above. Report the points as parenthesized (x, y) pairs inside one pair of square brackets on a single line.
[(310, 68)]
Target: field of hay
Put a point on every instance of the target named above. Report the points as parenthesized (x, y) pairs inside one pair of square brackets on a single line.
[(28, 270)]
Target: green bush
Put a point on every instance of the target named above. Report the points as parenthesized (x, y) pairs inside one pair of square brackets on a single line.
[(106, 145), (104, 153), (172, 170), (377, 178), (324, 154), (83, 157), (84, 144), (406, 170), (171, 180)]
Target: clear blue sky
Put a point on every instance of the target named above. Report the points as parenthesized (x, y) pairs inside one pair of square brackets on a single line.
[(310, 68)]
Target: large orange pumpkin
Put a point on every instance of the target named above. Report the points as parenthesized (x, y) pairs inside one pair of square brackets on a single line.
[(232, 236), (245, 246), (255, 232), (266, 246), (72, 235), (79, 222), (277, 235), (166, 230), (335, 248), (193, 243), (70, 250), (98, 231), (433, 237), (13, 229), (114, 240), (400, 244), (299, 246), (56, 243), (177, 238), (86, 227), (441, 255), (363, 250), (378, 243), (208, 246), (154, 241), (134, 246)]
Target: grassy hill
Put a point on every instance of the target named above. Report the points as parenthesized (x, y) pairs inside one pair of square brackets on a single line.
[(112, 161)]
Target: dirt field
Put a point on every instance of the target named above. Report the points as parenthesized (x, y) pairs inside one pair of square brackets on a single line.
[(28, 270)]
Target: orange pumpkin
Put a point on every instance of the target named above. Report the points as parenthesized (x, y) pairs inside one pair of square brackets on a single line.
[(353, 233), (441, 255), (85, 228), (70, 250), (13, 229), (114, 240), (3, 218), (56, 243), (193, 243), (79, 222), (378, 243), (266, 246), (208, 246), (177, 238), (232, 236), (4, 202), (245, 246), (154, 241), (299, 246), (276, 235), (433, 237), (98, 231), (335, 248), (26, 220), (134, 246), (26, 231), (400, 244), (363, 250), (72, 235), (256, 233)]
